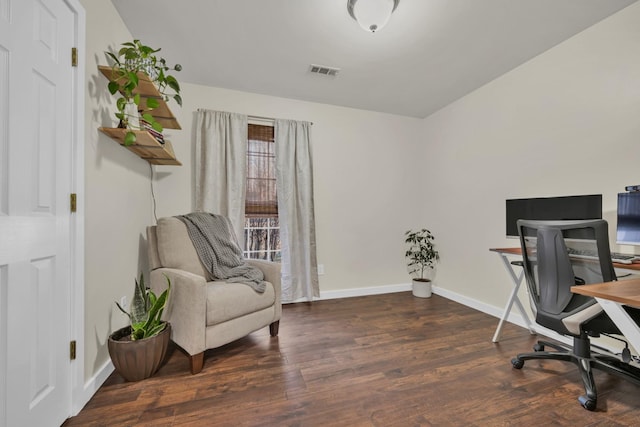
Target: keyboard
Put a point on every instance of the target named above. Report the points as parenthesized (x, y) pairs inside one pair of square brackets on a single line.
[(617, 257)]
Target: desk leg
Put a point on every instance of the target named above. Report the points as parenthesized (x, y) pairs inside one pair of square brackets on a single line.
[(623, 321), (517, 281), (524, 314)]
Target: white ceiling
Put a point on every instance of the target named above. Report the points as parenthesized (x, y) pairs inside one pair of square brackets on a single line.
[(431, 53)]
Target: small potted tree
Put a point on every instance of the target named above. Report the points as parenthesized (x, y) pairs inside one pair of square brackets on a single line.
[(137, 350), (421, 258), (133, 58)]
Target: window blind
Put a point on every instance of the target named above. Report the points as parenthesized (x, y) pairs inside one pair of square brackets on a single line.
[(261, 198)]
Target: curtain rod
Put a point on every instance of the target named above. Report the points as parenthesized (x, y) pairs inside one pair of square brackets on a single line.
[(267, 119), (252, 117)]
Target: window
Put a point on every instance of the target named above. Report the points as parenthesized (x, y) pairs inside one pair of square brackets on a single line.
[(262, 238), (262, 228)]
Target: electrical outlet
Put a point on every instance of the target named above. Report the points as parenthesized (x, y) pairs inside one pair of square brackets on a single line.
[(320, 269), (124, 303)]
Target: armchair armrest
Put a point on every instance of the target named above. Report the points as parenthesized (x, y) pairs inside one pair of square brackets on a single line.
[(186, 307), (273, 274)]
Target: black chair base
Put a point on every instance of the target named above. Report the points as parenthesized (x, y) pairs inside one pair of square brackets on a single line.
[(586, 360)]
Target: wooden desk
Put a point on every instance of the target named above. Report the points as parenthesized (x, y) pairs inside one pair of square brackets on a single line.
[(635, 266), (612, 296), (517, 282), (624, 291), (507, 251)]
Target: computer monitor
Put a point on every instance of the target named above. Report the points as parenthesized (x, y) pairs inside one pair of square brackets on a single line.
[(628, 227), (552, 208)]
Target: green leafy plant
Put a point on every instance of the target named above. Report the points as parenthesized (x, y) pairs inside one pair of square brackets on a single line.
[(421, 253), (146, 311), (132, 58)]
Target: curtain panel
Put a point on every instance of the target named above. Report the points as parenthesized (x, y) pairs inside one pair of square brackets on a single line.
[(221, 166), (294, 181)]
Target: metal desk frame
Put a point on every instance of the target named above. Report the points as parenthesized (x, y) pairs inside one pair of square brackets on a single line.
[(513, 297)]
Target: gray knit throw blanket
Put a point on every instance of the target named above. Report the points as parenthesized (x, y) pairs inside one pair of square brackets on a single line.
[(216, 244)]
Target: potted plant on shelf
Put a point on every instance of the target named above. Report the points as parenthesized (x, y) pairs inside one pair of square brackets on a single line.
[(137, 350), (421, 259), (133, 58)]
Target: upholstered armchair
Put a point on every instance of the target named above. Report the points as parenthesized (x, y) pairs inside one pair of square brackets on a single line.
[(206, 313)]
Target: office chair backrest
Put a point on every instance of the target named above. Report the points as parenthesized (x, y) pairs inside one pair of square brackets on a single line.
[(551, 270), (554, 267)]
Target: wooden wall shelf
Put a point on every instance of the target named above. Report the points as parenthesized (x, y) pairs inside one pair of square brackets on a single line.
[(146, 146), (147, 89)]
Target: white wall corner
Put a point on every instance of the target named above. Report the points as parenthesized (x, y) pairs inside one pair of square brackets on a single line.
[(92, 386)]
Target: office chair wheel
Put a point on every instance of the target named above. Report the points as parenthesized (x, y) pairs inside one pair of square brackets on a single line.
[(588, 404), (517, 363), (538, 347)]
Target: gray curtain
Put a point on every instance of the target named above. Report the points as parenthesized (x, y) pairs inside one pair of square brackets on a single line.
[(294, 181), (221, 165)]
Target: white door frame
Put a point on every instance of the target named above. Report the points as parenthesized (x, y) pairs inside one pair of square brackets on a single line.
[(79, 395)]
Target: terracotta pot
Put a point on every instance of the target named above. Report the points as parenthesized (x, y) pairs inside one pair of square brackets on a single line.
[(421, 288), (140, 359)]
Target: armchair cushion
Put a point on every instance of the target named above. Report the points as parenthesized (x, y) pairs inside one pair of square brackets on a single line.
[(227, 301), (175, 248)]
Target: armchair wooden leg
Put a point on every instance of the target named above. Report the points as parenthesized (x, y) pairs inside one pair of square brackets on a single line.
[(273, 328), (197, 361)]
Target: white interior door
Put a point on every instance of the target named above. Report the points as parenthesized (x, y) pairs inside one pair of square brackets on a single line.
[(36, 131)]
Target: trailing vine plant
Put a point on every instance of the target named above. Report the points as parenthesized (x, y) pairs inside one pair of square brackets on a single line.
[(132, 58)]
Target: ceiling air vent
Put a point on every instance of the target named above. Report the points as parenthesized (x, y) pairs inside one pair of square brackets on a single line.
[(323, 70)]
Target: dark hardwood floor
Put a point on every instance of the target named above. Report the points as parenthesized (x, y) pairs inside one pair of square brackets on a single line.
[(384, 360)]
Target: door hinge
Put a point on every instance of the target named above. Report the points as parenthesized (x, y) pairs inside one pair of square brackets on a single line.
[(72, 350), (74, 56), (73, 202)]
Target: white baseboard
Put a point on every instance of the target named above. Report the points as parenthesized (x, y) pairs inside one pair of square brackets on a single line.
[(92, 386), (359, 292), (480, 306)]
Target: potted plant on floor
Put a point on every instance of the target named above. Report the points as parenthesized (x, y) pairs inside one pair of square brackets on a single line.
[(137, 350), (421, 258), (133, 58)]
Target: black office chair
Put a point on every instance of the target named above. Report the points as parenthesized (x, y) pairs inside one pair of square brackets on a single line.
[(550, 250)]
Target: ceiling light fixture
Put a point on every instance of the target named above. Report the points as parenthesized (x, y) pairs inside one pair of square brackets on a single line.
[(372, 15)]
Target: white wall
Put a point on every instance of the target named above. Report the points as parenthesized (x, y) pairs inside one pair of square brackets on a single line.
[(366, 191), (117, 196), (364, 178), (564, 123)]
